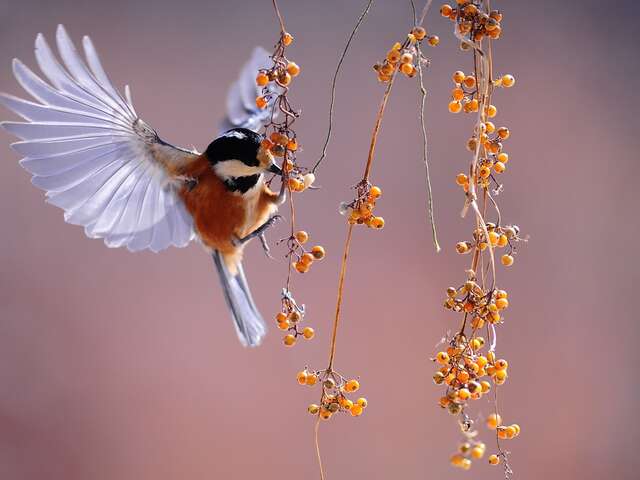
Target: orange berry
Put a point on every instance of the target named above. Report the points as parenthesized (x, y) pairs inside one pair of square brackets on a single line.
[(502, 364), (442, 358), (352, 386), (490, 127), (503, 241), (494, 460), (507, 260), (377, 222), (407, 68), (356, 410), (302, 378), (313, 409), (301, 236), (287, 38), (462, 247), (458, 77), (503, 133), (469, 81), (262, 79), (492, 111), (461, 179), (433, 40), (484, 171), (317, 252), (493, 421), (295, 317), (289, 340), (312, 378), (502, 157), (292, 145), (284, 325), (261, 102), (281, 317), (457, 94), (307, 258), (463, 394), (362, 402), (446, 10), (393, 56), (293, 69), (502, 303), (455, 107), (301, 267), (285, 79), (308, 333), (419, 33)]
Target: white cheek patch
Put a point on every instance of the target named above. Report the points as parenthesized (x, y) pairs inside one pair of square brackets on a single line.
[(235, 168)]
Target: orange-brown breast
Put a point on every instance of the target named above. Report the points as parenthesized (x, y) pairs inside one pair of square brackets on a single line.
[(220, 215)]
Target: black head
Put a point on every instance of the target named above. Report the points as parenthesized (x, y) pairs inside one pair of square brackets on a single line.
[(239, 159), (235, 144)]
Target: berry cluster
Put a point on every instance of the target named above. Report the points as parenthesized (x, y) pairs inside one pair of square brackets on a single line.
[(360, 210), (404, 57), (499, 237), (471, 20), (289, 319), (482, 307), (469, 368), (334, 393), (468, 451), (282, 142), (281, 73)]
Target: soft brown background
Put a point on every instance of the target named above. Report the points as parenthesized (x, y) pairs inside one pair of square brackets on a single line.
[(115, 366)]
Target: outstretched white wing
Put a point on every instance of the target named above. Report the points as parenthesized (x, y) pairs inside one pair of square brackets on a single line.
[(86, 147), (241, 99)]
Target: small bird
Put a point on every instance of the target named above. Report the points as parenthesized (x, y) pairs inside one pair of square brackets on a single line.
[(110, 172)]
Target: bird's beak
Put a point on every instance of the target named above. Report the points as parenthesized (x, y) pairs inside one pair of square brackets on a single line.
[(274, 168)]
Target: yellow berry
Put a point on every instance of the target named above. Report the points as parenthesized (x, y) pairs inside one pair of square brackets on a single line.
[(486, 386), (516, 427), (490, 127), (492, 111), (313, 409), (503, 241), (308, 333), (508, 81), (484, 171), (494, 460), (442, 358), (493, 238), (502, 157), (362, 402), (463, 394), (477, 452), (502, 303), (507, 260), (499, 167), (289, 340), (502, 364), (458, 76)]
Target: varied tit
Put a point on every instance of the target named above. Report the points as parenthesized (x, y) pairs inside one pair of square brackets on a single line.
[(111, 173)]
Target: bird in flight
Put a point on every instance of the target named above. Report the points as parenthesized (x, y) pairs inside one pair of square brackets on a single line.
[(111, 173)]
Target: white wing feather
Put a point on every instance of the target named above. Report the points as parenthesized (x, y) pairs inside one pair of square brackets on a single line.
[(241, 99), (87, 149)]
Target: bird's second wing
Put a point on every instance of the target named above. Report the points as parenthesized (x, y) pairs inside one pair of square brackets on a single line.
[(242, 111), (86, 147)]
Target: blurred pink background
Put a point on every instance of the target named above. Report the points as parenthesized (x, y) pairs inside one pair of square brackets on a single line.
[(125, 366)]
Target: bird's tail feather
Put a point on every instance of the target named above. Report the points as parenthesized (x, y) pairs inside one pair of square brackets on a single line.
[(248, 321)]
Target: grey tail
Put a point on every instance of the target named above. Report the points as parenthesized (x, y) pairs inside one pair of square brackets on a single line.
[(248, 321)]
